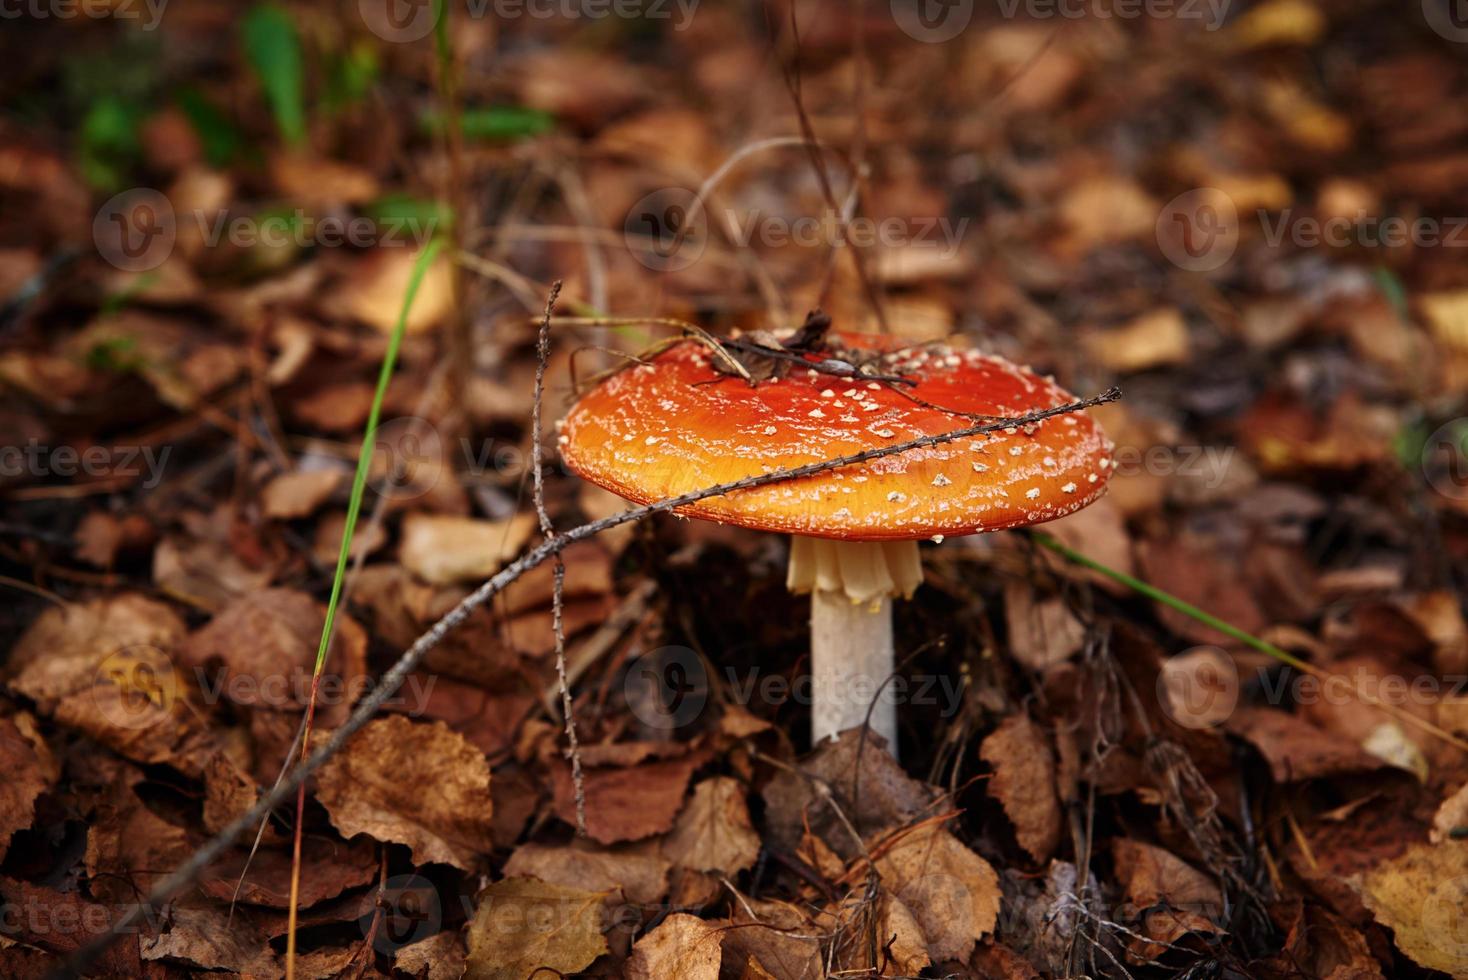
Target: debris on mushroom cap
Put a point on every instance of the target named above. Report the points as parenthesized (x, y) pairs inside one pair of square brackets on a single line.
[(676, 426)]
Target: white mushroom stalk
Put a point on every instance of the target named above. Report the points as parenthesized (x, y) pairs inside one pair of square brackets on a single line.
[(852, 585)]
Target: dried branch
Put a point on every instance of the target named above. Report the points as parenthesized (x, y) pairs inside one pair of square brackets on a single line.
[(395, 675), (558, 594)]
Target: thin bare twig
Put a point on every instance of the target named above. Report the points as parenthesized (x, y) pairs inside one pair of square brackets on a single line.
[(395, 675), (558, 593)]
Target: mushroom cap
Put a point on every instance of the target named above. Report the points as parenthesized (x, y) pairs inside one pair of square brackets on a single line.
[(674, 425)]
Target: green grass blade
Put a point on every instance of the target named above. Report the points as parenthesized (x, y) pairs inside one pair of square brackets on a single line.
[(364, 458), (1171, 601), (273, 48)]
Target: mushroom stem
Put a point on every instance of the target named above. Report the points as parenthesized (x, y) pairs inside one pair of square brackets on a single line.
[(852, 584), (850, 657)]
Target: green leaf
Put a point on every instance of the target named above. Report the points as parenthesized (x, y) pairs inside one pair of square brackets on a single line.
[(403, 211), (350, 75), (219, 137), (494, 123), (273, 48), (1391, 287), (107, 142)]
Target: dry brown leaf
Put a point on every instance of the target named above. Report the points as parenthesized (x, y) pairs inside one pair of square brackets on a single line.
[(1174, 897), (778, 936), (439, 957), (1421, 896), (1024, 782), (523, 927), (229, 792), (952, 892), (106, 668), (713, 833), (1042, 633), (374, 291), (627, 804), (639, 874), (214, 940), (29, 771), (1155, 339), (416, 784), (443, 550), (682, 946), (1296, 749), (298, 494), (329, 868), (1451, 816), (260, 651), (866, 783), (129, 847)]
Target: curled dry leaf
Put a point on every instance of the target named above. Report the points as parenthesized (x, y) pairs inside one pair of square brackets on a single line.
[(714, 833), (1451, 817), (682, 946), (523, 927), (952, 892), (414, 784), (777, 937), (1024, 782), (1175, 898)]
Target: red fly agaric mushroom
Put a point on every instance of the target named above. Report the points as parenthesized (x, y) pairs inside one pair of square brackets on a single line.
[(683, 422)]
